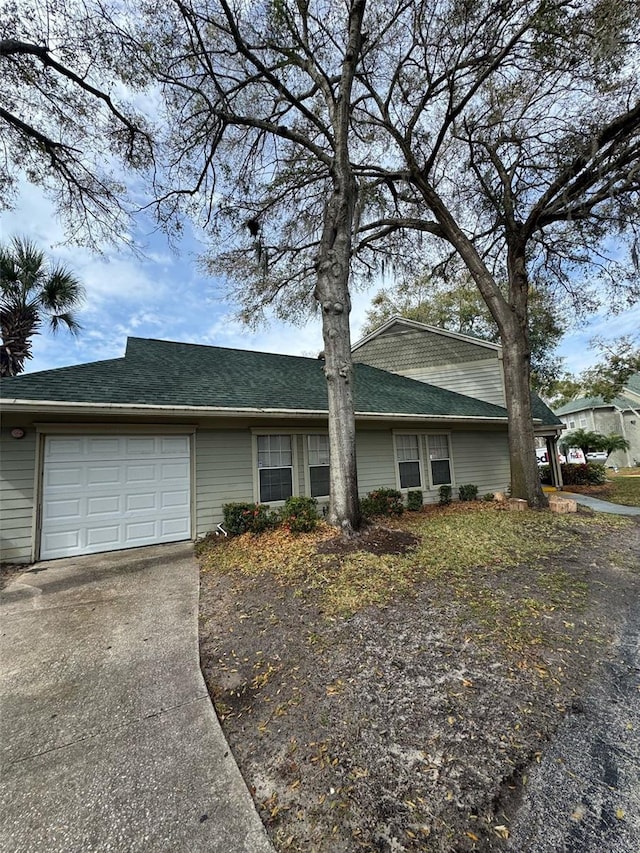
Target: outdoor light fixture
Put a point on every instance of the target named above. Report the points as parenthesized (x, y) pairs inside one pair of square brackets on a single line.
[(18, 432)]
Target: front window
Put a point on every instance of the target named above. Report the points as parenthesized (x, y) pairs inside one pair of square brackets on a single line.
[(408, 457), (440, 460), (275, 467), (318, 446)]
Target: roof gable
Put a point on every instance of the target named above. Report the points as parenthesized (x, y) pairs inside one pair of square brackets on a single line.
[(398, 324)]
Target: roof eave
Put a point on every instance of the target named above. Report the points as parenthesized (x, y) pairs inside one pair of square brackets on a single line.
[(64, 407)]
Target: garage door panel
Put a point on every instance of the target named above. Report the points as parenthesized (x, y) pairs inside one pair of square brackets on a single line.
[(174, 471), (175, 445), (63, 476), (102, 475), (64, 509), (102, 493), (142, 502), (103, 447), (61, 541), (103, 535), (105, 505), (143, 446), (173, 529), (140, 474)]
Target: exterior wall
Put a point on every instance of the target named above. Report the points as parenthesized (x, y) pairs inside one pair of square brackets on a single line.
[(224, 474), (482, 458), (224, 470), (17, 475), (439, 360), (608, 421)]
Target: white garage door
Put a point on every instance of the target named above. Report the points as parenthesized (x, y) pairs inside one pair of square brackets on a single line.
[(103, 493)]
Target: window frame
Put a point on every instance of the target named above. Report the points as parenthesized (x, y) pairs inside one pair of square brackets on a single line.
[(419, 460), (452, 474), (426, 476), (308, 466), (292, 435)]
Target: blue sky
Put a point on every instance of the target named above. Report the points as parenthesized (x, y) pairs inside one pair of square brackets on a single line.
[(163, 295)]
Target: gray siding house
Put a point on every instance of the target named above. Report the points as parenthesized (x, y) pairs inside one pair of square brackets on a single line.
[(147, 448), (620, 416)]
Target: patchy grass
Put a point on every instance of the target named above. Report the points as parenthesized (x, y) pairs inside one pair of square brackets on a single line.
[(465, 550), (391, 701)]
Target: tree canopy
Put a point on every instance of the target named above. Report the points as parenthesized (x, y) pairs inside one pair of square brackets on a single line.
[(68, 121)]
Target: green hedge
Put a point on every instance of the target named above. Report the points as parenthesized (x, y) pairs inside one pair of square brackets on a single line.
[(382, 502)]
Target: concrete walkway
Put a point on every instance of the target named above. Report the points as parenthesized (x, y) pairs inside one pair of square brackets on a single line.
[(108, 739), (599, 506)]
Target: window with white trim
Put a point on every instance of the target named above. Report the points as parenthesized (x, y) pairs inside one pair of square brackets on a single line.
[(582, 420), (318, 447), (572, 424), (439, 459), (408, 459), (275, 467)]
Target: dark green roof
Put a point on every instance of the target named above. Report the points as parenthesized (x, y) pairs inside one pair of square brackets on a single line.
[(543, 412), (162, 373)]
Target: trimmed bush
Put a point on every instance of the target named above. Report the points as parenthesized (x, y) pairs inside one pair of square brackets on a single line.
[(590, 474), (414, 500), (445, 495), (300, 514), (468, 493), (488, 497), (242, 518), (382, 502)]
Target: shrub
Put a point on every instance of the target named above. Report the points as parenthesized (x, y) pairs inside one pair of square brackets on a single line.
[(247, 518), (414, 500), (382, 502), (590, 474), (545, 474), (445, 495), (468, 493), (300, 514), (488, 497)]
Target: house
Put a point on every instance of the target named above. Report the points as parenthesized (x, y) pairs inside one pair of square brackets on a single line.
[(148, 448), (620, 416), (458, 362)]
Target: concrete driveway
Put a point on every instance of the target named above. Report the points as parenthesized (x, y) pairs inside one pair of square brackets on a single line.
[(108, 739)]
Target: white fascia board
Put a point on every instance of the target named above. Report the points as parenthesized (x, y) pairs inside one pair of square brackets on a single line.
[(61, 407), (424, 327)]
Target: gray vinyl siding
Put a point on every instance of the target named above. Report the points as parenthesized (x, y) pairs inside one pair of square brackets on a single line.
[(224, 474), (481, 459), (399, 350), (376, 464), (16, 495), (461, 366), (480, 379)]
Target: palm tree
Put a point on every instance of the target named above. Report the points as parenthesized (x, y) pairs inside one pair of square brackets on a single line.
[(33, 291)]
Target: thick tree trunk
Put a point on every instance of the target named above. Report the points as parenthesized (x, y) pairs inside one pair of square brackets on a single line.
[(332, 293), (525, 477), (514, 332)]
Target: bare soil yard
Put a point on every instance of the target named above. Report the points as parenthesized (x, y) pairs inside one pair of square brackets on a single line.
[(390, 695)]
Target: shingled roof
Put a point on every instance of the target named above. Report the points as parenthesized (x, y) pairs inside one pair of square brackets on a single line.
[(584, 403), (164, 373)]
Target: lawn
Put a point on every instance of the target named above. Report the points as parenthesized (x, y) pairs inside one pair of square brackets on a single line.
[(389, 694), (619, 488), (625, 490)]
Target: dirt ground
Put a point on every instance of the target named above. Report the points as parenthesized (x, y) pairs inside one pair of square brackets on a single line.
[(410, 726)]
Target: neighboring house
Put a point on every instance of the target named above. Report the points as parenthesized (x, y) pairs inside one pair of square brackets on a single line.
[(620, 416), (148, 448), (458, 362)]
